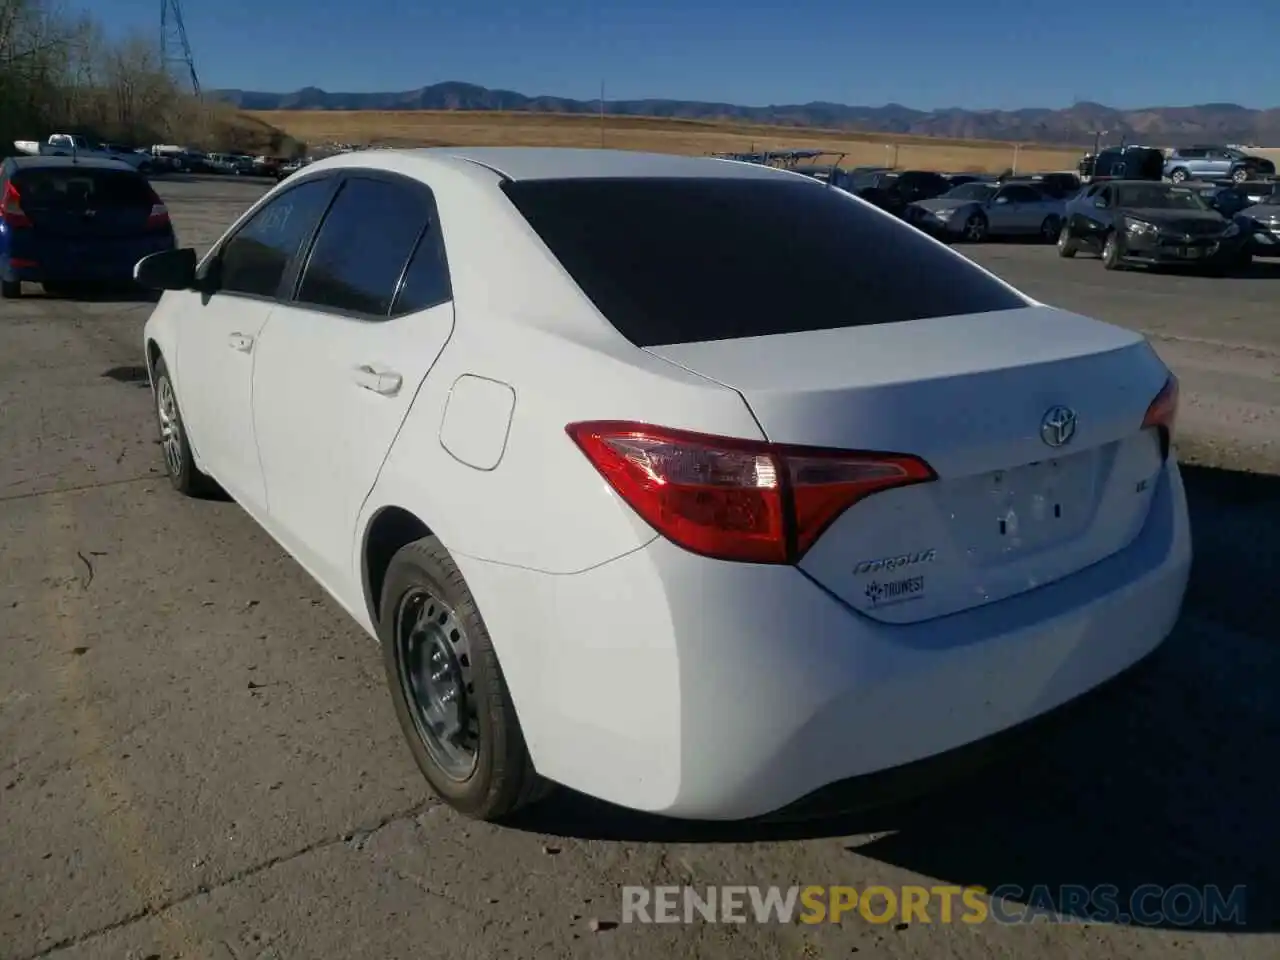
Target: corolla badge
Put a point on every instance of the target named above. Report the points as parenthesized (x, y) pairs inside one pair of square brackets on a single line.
[(1058, 426)]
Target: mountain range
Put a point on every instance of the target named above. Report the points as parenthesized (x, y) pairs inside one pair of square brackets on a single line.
[(1077, 124)]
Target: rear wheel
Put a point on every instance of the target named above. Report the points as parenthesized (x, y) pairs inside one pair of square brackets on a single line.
[(10, 289), (1050, 229), (1239, 175), (448, 690), (1066, 242), (1179, 175)]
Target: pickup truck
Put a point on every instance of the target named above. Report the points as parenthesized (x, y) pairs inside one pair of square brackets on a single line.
[(71, 144)]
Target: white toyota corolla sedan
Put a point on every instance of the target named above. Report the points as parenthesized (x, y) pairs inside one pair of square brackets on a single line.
[(693, 485)]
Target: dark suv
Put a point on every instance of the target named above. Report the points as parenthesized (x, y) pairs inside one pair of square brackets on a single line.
[(894, 192), (1126, 163)]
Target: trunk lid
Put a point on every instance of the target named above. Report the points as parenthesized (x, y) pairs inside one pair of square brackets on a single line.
[(969, 395), (88, 203)]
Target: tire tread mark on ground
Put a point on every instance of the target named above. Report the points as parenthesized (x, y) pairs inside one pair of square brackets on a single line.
[(155, 910), (77, 488)]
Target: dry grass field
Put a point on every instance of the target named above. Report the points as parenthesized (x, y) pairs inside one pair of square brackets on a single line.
[(421, 128)]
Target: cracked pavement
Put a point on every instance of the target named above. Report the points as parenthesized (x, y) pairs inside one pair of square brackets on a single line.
[(198, 758)]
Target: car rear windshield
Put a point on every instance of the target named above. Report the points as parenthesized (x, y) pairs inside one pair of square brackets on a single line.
[(686, 260), (84, 188)]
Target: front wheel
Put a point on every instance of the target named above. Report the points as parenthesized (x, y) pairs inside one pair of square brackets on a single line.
[(1178, 176), (975, 228), (448, 690), (1111, 253), (1066, 243), (179, 463), (11, 289), (1239, 175), (1050, 229)]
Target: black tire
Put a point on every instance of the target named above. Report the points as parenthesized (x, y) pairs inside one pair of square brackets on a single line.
[(1179, 175), (976, 228), (1240, 175), (10, 289), (1111, 253), (1066, 243), (422, 578), (1050, 228), (180, 465)]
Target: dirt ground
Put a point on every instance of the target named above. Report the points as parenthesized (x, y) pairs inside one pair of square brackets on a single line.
[(409, 128)]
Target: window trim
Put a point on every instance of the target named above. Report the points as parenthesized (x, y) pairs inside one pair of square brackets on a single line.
[(289, 297), (215, 254)]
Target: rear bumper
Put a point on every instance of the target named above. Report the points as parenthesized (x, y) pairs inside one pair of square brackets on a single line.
[(694, 688), (105, 263)]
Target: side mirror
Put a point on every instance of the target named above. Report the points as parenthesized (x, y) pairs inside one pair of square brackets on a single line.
[(168, 270)]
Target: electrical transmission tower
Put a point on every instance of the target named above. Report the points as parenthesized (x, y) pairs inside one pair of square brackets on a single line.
[(175, 49)]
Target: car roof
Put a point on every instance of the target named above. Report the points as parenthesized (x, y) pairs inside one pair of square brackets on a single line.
[(526, 164), (93, 163)]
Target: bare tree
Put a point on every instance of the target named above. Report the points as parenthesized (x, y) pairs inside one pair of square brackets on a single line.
[(61, 73)]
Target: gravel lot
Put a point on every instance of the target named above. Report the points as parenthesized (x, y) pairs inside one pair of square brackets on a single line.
[(198, 758)]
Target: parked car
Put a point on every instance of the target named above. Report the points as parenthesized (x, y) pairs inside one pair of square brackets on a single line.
[(75, 145), (580, 474), (66, 221), (1216, 163), (1127, 163), (1261, 223), (959, 179), (1153, 224), (978, 211), (1062, 185), (894, 191)]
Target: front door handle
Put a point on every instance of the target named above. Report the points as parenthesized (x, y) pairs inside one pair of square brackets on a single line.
[(386, 383), (238, 341)]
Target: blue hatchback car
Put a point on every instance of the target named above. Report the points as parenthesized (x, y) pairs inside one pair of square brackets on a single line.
[(70, 220)]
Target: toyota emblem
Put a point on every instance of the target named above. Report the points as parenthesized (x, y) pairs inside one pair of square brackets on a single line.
[(1058, 426)]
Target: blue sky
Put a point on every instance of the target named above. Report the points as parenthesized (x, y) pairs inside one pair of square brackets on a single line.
[(927, 54)]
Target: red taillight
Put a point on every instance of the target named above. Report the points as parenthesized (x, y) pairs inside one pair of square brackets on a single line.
[(735, 499), (159, 216), (1162, 415), (11, 208)]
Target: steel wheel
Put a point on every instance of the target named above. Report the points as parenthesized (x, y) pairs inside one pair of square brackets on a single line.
[(170, 426), (434, 667)]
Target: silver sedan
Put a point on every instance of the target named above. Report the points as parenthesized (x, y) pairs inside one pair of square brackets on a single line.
[(978, 211)]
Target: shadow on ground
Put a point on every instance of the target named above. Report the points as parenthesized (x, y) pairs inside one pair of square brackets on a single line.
[(100, 293), (1164, 779)]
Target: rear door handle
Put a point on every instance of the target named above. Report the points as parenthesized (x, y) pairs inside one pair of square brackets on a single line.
[(385, 383), (238, 341)]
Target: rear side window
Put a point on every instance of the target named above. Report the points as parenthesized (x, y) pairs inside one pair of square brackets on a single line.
[(254, 260), (682, 261), (363, 246), (82, 189), (426, 280)]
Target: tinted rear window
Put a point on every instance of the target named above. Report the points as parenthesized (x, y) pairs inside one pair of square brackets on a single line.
[(68, 187), (682, 261)]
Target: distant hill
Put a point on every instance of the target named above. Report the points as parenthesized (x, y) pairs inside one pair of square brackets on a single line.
[(1208, 122)]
